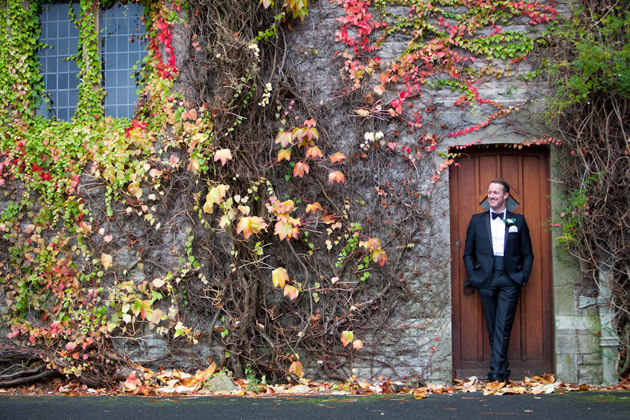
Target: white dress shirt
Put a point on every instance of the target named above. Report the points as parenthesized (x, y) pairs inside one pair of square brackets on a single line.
[(497, 226)]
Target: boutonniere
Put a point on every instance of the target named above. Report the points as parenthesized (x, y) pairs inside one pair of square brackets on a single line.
[(510, 222)]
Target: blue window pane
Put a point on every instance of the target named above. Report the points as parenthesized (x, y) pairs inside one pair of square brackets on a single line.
[(64, 31), (124, 80), (122, 47), (63, 46), (62, 82), (63, 99), (123, 43), (51, 82), (73, 96), (63, 114), (64, 67), (51, 65), (60, 74)]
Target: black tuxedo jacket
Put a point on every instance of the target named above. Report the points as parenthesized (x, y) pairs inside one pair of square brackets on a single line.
[(479, 256)]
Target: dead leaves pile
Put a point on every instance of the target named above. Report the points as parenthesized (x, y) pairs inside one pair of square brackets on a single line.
[(181, 383), (167, 382), (144, 382), (536, 385)]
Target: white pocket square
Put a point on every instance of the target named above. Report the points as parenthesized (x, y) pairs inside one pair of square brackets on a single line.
[(513, 229)]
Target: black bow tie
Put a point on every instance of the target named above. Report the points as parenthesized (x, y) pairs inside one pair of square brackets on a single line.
[(495, 215)]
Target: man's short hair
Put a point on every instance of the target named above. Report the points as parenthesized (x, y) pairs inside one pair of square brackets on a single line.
[(506, 185)]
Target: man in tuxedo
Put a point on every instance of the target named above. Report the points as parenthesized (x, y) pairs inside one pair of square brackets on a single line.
[(498, 259)]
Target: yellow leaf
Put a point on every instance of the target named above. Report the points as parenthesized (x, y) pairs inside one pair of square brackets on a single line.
[(290, 291), (357, 344), (215, 196), (284, 207), (193, 166), (279, 276), (328, 218), (225, 220), (379, 256), (548, 378), (379, 89), (132, 381), (305, 136), (106, 260), (156, 316), (337, 157), (492, 388), (284, 138), (336, 176), (284, 154), (286, 230), (314, 207), (347, 337), (420, 393), (362, 112), (314, 152), (312, 133), (250, 225), (301, 168), (372, 244), (135, 190), (223, 155), (543, 389), (296, 368)]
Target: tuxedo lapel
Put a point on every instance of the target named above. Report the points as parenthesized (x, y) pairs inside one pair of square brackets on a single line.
[(488, 229), (505, 236), (508, 215)]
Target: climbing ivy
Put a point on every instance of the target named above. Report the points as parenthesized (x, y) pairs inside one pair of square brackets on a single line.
[(51, 274), (189, 171)]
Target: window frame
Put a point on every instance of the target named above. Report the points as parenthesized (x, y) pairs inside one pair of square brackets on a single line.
[(47, 107)]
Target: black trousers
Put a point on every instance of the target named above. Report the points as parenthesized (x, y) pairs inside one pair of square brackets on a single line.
[(499, 301)]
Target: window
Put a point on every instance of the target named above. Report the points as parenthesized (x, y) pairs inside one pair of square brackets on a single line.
[(59, 70), (122, 48)]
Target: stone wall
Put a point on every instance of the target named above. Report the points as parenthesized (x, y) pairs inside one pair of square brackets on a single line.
[(418, 340), (425, 321), (578, 357)]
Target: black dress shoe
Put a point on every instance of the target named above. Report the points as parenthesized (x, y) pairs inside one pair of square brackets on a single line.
[(504, 376), (494, 378)]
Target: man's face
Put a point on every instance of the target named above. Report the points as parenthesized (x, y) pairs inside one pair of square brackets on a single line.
[(497, 197)]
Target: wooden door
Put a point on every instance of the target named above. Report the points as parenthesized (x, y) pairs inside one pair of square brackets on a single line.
[(531, 342)]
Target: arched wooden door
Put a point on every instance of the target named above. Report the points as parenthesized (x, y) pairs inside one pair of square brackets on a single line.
[(531, 343)]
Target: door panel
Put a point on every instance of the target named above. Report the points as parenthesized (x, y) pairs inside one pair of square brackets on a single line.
[(531, 343)]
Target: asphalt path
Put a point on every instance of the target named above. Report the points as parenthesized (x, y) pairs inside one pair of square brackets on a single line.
[(574, 406)]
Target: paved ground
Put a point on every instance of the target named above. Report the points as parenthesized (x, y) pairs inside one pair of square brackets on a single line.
[(573, 406)]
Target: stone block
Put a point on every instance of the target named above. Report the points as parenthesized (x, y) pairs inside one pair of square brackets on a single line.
[(576, 343), (219, 382), (564, 300), (594, 358), (567, 368)]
